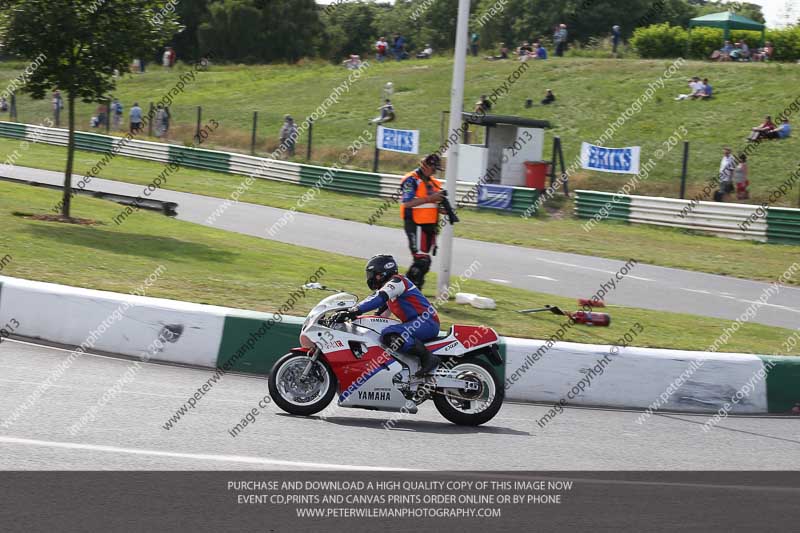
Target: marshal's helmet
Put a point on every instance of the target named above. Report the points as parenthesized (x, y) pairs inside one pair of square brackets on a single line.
[(379, 270)]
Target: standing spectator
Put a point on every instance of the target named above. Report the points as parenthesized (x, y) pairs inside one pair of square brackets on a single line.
[(288, 135), (166, 58), (116, 113), (399, 47), (135, 117), (3, 104), (474, 43), (58, 105), (162, 121), (173, 57), (726, 167), (616, 37), (58, 102), (381, 47), (740, 174), (560, 39)]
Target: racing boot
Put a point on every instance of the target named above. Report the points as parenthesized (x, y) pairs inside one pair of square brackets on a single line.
[(427, 360)]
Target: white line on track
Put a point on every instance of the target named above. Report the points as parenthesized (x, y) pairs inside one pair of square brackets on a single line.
[(192, 456), (542, 277), (499, 280), (695, 290), (592, 268)]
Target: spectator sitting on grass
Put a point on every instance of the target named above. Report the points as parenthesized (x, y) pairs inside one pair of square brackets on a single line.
[(483, 105), (761, 131), (387, 113), (708, 90), (539, 51), (524, 49), (724, 53), (695, 89), (765, 53), (783, 131), (549, 97), (502, 55), (426, 53), (353, 62), (3, 104)]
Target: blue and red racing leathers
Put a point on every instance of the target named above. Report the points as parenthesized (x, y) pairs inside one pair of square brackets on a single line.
[(406, 302)]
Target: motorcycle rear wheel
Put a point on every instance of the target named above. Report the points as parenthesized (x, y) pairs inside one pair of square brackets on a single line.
[(295, 395), (490, 395)]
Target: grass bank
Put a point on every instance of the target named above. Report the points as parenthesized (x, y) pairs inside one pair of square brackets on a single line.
[(207, 265), (590, 92)]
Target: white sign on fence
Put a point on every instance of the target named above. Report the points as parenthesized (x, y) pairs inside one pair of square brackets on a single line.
[(404, 141), (616, 160)]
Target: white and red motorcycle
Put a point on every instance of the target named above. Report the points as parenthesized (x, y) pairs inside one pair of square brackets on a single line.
[(348, 360)]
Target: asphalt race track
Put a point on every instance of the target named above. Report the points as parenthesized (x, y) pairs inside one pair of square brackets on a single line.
[(128, 432), (563, 274)]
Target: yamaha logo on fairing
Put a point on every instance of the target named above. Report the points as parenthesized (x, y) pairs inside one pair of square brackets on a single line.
[(380, 396)]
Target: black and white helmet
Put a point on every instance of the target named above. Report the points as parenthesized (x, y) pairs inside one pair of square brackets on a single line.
[(380, 269)]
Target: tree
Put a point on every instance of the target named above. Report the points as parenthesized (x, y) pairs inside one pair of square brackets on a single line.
[(260, 30), (82, 44)]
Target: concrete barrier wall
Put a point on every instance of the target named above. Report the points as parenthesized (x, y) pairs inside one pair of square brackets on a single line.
[(631, 377), (246, 341)]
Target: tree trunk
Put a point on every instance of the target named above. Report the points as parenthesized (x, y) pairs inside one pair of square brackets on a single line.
[(70, 155)]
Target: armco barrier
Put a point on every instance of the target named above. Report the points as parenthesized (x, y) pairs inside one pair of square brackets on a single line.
[(347, 181), (781, 225), (247, 341)]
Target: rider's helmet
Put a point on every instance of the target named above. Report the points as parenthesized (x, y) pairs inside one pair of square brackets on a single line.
[(379, 270)]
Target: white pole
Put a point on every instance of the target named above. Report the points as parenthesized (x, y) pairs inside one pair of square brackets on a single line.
[(456, 105)]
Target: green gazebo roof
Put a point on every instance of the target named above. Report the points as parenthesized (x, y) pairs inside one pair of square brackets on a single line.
[(728, 21)]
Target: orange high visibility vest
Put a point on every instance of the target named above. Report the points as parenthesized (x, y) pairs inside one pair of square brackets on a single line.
[(425, 213)]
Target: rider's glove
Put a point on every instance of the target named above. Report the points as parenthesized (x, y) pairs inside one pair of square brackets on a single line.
[(343, 316)]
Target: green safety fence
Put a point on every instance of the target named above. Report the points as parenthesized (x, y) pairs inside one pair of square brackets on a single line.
[(340, 180), (591, 204), (783, 225)]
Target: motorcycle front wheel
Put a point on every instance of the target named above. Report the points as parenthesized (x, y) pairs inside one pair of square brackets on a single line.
[(297, 395), (473, 407)]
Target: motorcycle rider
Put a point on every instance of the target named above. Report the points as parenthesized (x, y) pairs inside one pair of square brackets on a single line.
[(422, 194), (420, 322)]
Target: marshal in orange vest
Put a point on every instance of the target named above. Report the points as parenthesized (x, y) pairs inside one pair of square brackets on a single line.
[(424, 213)]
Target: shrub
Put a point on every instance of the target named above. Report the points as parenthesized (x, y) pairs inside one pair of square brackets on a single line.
[(659, 40), (665, 41), (786, 42)]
